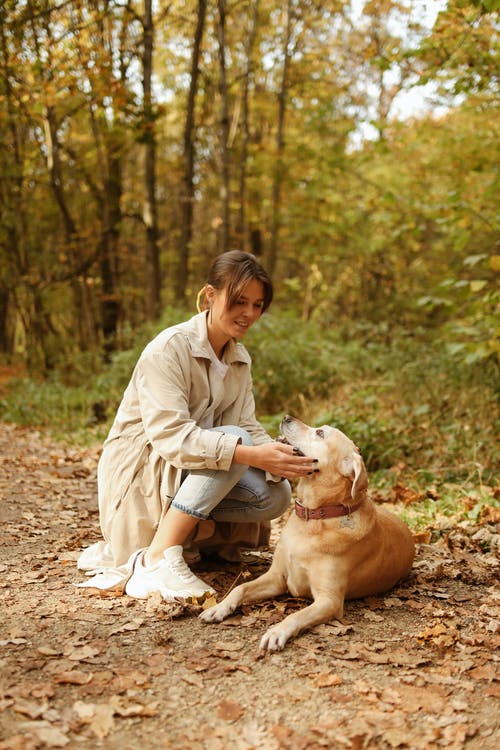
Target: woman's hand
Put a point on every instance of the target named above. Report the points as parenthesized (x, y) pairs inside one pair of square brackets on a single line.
[(276, 458)]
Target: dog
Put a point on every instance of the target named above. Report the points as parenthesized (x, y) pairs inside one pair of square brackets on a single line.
[(336, 545)]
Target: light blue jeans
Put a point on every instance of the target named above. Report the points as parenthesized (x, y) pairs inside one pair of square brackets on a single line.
[(239, 494)]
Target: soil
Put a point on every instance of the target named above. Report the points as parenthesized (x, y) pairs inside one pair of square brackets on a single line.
[(415, 668)]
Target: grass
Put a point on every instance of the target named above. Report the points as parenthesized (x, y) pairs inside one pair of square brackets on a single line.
[(424, 420)]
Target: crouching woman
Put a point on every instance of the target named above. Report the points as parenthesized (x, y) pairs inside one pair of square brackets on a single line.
[(186, 463)]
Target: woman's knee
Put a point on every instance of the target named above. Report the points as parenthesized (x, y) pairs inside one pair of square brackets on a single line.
[(231, 429), (274, 500), (280, 497)]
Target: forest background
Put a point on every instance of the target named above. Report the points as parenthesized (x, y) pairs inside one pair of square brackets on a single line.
[(140, 139)]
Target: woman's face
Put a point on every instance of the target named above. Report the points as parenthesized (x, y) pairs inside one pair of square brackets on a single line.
[(234, 322)]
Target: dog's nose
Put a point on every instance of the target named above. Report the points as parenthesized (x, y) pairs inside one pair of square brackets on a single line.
[(287, 418)]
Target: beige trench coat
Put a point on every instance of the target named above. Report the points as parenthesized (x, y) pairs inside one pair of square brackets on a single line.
[(161, 427)]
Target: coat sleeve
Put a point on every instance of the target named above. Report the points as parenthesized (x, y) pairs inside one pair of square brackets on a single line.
[(162, 388)]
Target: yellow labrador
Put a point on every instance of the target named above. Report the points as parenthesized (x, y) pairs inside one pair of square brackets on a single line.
[(336, 545)]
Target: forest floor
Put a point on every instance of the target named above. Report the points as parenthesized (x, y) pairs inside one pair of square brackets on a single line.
[(411, 669)]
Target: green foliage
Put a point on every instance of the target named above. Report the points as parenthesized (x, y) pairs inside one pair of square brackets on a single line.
[(293, 363), (67, 402), (404, 399), (411, 405), (487, 5)]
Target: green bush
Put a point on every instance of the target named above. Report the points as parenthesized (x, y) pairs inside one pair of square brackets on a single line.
[(293, 363), (413, 408)]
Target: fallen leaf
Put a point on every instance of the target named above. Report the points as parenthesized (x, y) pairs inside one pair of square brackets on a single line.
[(132, 709), (372, 616), (84, 711), (49, 651), (194, 679), (128, 626), (485, 672), (177, 610), (80, 653), (229, 645), (13, 642), (48, 735), (327, 680), (210, 602), (493, 690), (29, 708), (98, 716), (422, 537), (73, 677), (229, 710), (102, 722), (336, 629), (406, 495), (431, 699)]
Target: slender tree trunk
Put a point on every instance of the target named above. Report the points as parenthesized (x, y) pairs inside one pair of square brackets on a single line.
[(41, 334), (110, 300), (150, 212), (12, 214), (5, 337), (241, 229), (187, 195), (87, 328), (280, 141), (111, 143), (225, 229), (53, 156)]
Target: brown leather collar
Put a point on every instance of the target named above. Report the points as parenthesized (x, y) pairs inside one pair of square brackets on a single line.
[(325, 511)]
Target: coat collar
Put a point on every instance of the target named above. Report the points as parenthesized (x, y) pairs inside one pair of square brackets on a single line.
[(198, 338)]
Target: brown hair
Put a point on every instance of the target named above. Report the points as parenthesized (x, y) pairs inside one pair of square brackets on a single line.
[(232, 271)]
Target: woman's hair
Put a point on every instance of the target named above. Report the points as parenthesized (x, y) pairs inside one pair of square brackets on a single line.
[(232, 271)]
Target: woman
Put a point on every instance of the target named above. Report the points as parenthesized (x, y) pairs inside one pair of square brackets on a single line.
[(185, 446)]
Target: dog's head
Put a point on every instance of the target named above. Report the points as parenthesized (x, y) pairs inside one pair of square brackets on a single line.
[(337, 455)]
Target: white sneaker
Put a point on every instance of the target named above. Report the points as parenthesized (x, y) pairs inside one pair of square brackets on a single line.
[(170, 576)]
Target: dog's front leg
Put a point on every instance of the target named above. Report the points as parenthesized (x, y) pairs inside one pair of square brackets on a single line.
[(266, 586), (323, 609)]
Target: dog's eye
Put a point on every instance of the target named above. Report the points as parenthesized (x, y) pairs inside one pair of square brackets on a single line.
[(320, 434)]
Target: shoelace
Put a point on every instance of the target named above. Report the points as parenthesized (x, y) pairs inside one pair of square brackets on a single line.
[(183, 570)]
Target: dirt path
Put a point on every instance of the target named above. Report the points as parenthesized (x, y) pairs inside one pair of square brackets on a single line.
[(414, 669)]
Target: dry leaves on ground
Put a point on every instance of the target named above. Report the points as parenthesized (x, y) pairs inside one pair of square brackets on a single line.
[(414, 669)]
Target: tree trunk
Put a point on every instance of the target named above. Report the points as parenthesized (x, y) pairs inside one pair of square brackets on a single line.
[(110, 301), (12, 213), (150, 212), (187, 195), (6, 338), (225, 229), (280, 142), (241, 229)]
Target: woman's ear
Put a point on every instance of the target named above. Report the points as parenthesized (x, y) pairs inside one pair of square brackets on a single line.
[(210, 292)]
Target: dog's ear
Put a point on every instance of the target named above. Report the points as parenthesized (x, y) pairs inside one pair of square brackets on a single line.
[(360, 482)]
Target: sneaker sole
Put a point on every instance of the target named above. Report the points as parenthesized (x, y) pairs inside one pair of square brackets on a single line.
[(168, 595), (138, 592)]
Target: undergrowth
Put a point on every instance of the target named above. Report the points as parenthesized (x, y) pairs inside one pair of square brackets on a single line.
[(421, 417)]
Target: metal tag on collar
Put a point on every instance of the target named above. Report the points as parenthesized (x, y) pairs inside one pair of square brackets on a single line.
[(347, 522)]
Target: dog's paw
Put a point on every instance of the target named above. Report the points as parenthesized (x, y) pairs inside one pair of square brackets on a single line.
[(217, 613), (274, 639)]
